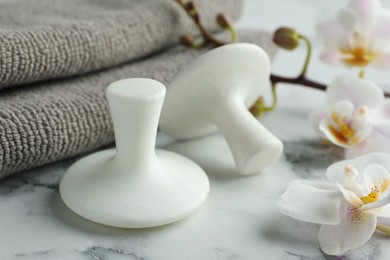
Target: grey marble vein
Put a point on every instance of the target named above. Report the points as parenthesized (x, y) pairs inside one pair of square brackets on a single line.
[(99, 253), (308, 156)]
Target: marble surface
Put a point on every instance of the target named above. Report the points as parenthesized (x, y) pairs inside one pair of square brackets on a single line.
[(239, 220)]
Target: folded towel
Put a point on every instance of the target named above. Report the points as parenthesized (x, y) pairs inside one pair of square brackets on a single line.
[(46, 122), (45, 39)]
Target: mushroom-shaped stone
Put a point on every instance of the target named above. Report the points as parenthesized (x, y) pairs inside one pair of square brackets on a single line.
[(134, 185), (214, 92)]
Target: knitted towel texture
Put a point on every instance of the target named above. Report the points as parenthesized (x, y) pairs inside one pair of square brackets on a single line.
[(45, 122), (45, 39)]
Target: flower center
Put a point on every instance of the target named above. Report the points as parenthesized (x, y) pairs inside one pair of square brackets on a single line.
[(358, 56), (371, 197), (342, 130), (358, 52), (376, 190)]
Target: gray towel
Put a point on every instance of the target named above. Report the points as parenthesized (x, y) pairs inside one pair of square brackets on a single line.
[(45, 39), (46, 122)]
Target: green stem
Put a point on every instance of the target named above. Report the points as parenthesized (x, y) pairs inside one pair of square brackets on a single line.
[(233, 33), (208, 38), (274, 99), (198, 46), (385, 229), (361, 73), (308, 55)]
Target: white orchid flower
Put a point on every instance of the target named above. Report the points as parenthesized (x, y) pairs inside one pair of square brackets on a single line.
[(356, 116), (348, 207), (357, 35)]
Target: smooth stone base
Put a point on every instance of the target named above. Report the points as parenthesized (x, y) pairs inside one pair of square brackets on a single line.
[(170, 190)]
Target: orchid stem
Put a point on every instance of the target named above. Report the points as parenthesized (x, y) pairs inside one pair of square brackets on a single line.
[(383, 228), (233, 33), (208, 39), (308, 55), (361, 73), (258, 108), (274, 99)]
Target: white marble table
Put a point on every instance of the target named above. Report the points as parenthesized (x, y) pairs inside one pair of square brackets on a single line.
[(239, 220)]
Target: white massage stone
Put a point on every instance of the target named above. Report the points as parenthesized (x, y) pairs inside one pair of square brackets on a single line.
[(214, 92), (134, 185)]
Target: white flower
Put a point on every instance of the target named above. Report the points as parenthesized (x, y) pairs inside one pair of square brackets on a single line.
[(357, 35), (356, 116), (348, 206)]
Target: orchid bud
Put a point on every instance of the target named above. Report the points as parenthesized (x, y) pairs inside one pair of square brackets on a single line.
[(187, 40), (190, 7), (192, 10), (286, 38), (223, 21)]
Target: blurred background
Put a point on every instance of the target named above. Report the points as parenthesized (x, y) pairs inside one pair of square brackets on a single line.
[(302, 16)]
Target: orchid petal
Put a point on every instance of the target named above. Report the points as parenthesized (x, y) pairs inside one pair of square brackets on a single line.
[(381, 114), (377, 204), (377, 142), (316, 118), (382, 212), (363, 134), (351, 181), (343, 109), (355, 228), (356, 151), (376, 177), (380, 136), (357, 91), (347, 19), (334, 138), (360, 118), (350, 196), (383, 60), (311, 202), (364, 7), (367, 11), (334, 27), (383, 127), (330, 56), (335, 171), (369, 146), (322, 185), (380, 33)]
